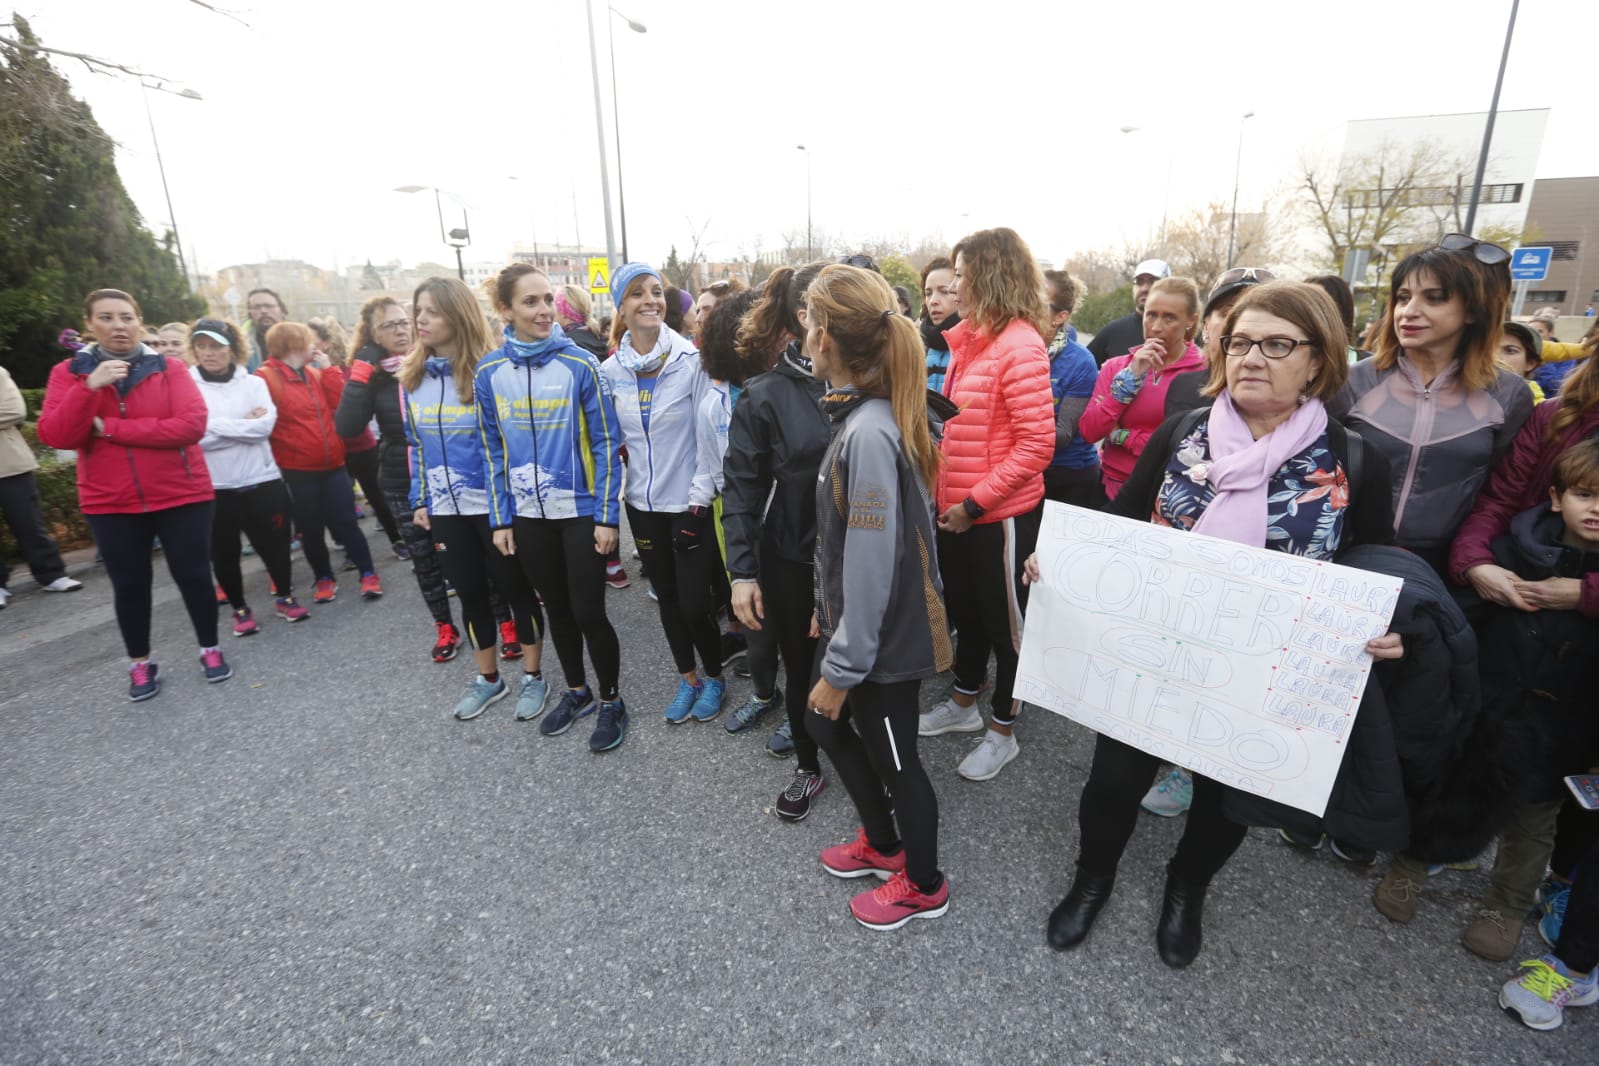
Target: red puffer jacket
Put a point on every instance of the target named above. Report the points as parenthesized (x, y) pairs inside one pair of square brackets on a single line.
[(304, 437), (996, 448), (148, 456)]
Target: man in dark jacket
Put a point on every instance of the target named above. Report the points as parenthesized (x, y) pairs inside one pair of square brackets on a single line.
[(1124, 334)]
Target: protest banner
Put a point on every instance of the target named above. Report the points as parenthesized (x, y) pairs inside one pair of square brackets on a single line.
[(1241, 664)]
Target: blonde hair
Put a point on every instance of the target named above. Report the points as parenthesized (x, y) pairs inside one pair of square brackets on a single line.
[(182, 330), (470, 332), (578, 298), (881, 348), (335, 342), (366, 329), (1184, 287), (1000, 282)]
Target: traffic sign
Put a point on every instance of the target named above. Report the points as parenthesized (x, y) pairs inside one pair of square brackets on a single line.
[(599, 275), (1530, 264)]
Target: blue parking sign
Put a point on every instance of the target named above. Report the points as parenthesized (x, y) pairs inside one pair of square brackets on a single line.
[(1530, 264)]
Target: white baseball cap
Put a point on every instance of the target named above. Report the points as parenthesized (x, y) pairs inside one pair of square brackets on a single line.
[(1155, 268)]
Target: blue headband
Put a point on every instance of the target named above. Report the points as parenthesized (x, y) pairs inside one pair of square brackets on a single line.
[(625, 275)]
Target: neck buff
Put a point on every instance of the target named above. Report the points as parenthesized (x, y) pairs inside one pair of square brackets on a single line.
[(216, 379), (796, 358), (933, 336), (644, 362), (532, 350), (390, 364), (1061, 337)]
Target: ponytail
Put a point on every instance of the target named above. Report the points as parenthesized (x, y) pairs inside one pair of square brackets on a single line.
[(905, 377), (767, 328)]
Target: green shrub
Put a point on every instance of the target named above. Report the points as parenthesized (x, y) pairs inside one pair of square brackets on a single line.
[(34, 398), (58, 500), (1097, 309)]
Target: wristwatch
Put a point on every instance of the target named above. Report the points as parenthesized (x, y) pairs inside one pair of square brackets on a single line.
[(973, 510)]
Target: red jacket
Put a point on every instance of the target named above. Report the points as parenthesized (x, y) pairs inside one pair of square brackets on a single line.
[(304, 438), (148, 458), (996, 448), (1520, 481)]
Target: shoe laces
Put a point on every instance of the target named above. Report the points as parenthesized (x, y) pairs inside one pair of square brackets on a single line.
[(799, 785), (140, 672), (211, 659), (1493, 917), (1404, 889), (1556, 907), (1546, 982), (895, 889), (609, 713), (447, 633)]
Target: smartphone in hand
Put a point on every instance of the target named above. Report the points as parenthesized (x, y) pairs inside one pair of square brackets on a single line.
[(1586, 788)]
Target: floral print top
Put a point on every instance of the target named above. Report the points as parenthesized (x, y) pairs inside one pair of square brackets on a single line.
[(1306, 500)]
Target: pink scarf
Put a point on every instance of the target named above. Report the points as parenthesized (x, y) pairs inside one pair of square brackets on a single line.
[(1240, 467)]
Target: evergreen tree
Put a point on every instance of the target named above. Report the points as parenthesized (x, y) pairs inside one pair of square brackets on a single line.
[(69, 226)]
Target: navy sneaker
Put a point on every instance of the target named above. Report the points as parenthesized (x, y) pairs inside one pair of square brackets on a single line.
[(573, 705), (143, 681), (752, 711), (610, 726), (781, 746), (216, 668)]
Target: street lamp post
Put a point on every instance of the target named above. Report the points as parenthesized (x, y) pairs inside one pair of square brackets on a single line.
[(599, 130), (810, 253), (172, 218), (1232, 229), (455, 238), (1488, 130), (616, 121)]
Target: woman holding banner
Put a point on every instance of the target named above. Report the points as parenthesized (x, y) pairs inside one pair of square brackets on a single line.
[(1263, 466)]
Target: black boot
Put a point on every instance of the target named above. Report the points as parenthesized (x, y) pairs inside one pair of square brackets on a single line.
[(1071, 920), (1178, 935)]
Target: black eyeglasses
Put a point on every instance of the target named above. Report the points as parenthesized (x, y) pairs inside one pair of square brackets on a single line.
[(1237, 346), (1259, 275), (1484, 252), (865, 262)]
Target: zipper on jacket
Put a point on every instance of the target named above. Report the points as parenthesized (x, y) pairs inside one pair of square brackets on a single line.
[(133, 467), (1420, 430), (533, 431)]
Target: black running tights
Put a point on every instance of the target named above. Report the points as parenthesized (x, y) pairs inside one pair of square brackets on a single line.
[(558, 557), (127, 543), (260, 512)]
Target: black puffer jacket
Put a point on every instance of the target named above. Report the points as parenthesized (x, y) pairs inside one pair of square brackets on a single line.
[(378, 396)]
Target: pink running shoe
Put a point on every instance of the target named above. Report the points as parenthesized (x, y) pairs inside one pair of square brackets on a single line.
[(244, 623), (289, 610), (859, 859), (892, 904)]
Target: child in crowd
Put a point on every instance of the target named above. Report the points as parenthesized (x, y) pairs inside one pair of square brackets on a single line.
[(1521, 352)]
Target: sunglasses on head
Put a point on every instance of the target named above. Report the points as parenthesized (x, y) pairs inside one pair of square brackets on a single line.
[(1484, 252), (865, 262), (1237, 274)]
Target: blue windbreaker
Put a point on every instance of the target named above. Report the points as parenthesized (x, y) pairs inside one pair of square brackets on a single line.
[(448, 470), (550, 437)]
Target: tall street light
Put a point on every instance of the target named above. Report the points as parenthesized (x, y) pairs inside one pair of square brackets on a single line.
[(1165, 203), (599, 130), (810, 254), (1488, 131), (616, 121), (455, 238), (172, 218), (1232, 229)]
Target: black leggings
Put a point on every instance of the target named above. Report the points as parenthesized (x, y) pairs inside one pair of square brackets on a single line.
[(682, 580), (466, 550), (1576, 831), (424, 563), (1578, 945), (260, 512), (363, 470), (1120, 776), (1082, 486), (788, 595), (323, 499), (127, 542), (558, 557), (878, 753), (985, 598)]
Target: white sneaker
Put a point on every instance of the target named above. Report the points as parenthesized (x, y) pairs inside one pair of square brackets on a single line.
[(949, 717), (64, 584), (989, 756), (4, 596)]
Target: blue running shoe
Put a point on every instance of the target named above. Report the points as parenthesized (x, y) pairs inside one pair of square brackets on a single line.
[(678, 710), (610, 726), (781, 746), (573, 705), (709, 704), (750, 714), (480, 692), (531, 700), (1554, 898)]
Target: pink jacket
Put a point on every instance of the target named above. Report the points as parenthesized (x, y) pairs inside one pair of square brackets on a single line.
[(1140, 418), (996, 448)]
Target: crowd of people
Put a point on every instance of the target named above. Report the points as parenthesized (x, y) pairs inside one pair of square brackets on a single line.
[(816, 480)]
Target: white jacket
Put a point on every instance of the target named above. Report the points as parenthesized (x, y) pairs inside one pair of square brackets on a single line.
[(237, 449), (666, 469), (716, 415)]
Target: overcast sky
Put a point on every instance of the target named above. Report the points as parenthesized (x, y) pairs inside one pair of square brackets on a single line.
[(926, 118)]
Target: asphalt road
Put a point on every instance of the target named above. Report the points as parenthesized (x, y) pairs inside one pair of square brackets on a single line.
[(315, 863)]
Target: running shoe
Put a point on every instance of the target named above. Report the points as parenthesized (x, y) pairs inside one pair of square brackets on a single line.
[(1303, 841), (573, 705), (1544, 990), (326, 589), (371, 587), (678, 710), (713, 691), (795, 802), (348, 564), (510, 647), (216, 668), (63, 584), (530, 701), (247, 550), (294, 545), (449, 643), (222, 596), (781, 743), (144, 681), (244, 623), (859, 859), (949, 717), (1171, 795), (891, 905), (1353, 854), (289, 609), (5, 596), (616, 577), (401, 552), (751, 712), (1552, 899), (480, 692), (652, 594), (610, 726), (989, 756)]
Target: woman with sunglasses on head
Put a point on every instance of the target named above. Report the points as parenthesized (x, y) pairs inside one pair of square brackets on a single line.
[(879, 609), (552, 444), (659, 387), (992, 482), (136, 419), (1434, 399), (251, 496), (449, 494)]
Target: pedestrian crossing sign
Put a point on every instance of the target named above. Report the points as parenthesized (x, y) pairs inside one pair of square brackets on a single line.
[(599, 275)]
